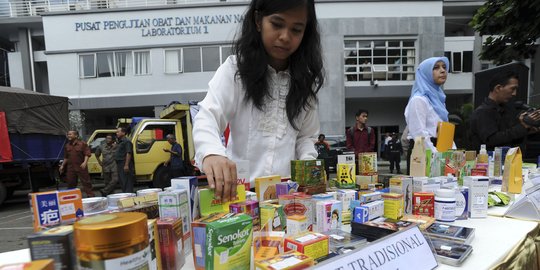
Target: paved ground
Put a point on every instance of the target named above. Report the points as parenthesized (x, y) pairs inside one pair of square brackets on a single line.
[(16, 219)]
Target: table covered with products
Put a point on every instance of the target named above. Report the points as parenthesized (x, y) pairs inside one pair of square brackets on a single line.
[(293, 223)]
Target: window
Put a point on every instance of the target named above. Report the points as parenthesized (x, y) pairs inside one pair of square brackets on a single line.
[(192, 59), (392, 60), (153, 132), (460, 61), (142, 63), (105, 64), (87, 66), (204, 59), (173, 61), (226, 51), (210, 58)]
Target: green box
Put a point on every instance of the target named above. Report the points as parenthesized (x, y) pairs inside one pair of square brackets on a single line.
[(229, 243), (307, 172)]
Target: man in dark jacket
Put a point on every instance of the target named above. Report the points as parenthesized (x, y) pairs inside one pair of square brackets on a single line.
[(496, 122), (394, 151)]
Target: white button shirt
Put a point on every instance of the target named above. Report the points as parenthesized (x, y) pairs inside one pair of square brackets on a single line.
[(265, 138), (422, 120)]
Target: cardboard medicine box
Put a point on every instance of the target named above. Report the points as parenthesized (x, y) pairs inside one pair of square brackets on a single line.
[(291, 260), (393, 205), (55, 243), (314, 245), (403, 185), (189, 183), (368, 211), (175, 204), (52, 208), (229, 243), (171, 242), (198, 228), (329, 215), (424, 204), (250, 208), (273, 217), (307, 172), (265, 187)]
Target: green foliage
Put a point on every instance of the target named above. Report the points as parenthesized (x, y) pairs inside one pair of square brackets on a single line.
[(514, 26)]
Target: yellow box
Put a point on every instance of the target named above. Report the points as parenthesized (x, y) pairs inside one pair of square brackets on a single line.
[(265, 187), (46, 264), (286, 261), (393, 205)]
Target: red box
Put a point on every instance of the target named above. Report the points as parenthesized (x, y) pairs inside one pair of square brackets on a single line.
[(314, 245), (171, 243), (424, 204)]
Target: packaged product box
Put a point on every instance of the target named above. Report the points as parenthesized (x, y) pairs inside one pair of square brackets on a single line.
[(286, 188), (270, 241), (423, 221), (175, 203), (46, 264), (369, 197), (367, 163), (296, 224), (199, 238), (424, 204), (189, 183), (243, 174), (462, 203), (478, 196), (250, 208), (229, 243), (307, 172), (263, 253), (346, 176), (393, 205), (314, 245), (171, 243), (345, 196), (291, 260), (299, 204), (151, 210), (363, 181), (265, 187), (251, 196), (368, 211), (329, 215), (403, 185), (379, 227), (155, 251), (273, 217), (425, 184), (312, 190), (52, 208), (56, 244), (209, 204)]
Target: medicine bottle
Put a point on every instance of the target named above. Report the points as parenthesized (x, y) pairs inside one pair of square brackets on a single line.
[(445, 205)]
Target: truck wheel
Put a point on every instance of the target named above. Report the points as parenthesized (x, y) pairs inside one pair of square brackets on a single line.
[(161, 178), (3, 193)]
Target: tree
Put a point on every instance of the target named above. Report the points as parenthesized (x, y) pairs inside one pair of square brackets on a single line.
[(513, 26)]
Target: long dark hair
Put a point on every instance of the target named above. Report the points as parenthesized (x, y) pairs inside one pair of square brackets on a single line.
[(305, 64)]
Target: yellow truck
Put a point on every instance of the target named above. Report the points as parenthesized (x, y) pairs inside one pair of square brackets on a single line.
[(149, 139)]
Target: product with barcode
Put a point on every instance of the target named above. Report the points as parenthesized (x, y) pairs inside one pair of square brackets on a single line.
[(291, 260), (314, 245)]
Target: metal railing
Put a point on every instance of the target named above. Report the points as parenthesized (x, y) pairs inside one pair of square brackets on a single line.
[(39, 7)]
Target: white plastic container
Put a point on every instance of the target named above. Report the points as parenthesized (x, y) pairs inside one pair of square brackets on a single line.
[(445, 205)]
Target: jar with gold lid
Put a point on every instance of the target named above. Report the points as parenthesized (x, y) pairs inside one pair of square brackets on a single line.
[(112, 241)]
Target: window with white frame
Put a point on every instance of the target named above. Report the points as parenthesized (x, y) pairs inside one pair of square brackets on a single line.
[(105, 64), (205, 58), (384, 60), (460, 61), (142, 63), (173, 61)]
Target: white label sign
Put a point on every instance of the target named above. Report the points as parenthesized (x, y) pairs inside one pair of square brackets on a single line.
[(345, 159), (403, 250)]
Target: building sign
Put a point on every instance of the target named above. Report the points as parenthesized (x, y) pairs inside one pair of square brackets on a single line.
[(118, 29)]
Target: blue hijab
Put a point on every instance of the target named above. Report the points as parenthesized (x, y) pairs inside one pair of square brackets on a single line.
[(425, 86)]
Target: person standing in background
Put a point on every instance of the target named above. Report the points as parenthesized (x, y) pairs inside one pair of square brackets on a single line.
[(323, 150), (124, 161), (76, 155), (394, 151), (360, 137), (175, 162), (427, 107), (108, 165)]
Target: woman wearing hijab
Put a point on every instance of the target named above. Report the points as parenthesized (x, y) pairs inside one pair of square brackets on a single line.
[(426, 107)]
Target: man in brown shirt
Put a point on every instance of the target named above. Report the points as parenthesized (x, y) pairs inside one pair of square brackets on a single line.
[(76, 154)]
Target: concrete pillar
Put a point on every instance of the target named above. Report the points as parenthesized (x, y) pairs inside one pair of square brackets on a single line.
[(24, 48)]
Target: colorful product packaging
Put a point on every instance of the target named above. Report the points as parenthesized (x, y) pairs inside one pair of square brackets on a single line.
[(299, 204), (265, 187), (345, 196), (367, 163), (393, 205), (424, 204), (423, 221), (155, 251), (296, 224), (308, 172), (403, 185), (346, 176), (175, 204), (273, 217), (462, 203), (55, 243), (368, 211), (209, 204), (424, 184), (328, 215), (46, 264), (286, 188), (251, 196), (291, 260), (314, 245), (229, 243), (171, 243), (250, 208), (271, 243), (363, 181), (243, 174), (52, 208), (199, 238), (369, 197), (478, 196), (189, 183)]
